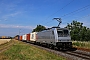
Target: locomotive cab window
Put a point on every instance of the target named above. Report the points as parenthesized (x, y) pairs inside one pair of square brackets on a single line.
[(66, 32), (62, 33)]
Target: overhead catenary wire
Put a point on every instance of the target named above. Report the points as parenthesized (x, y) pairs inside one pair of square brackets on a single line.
[(75, 10), (83, 17), (79, 11), (58, 11), (85, 7)]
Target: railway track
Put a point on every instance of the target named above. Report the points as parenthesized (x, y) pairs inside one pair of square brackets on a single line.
[(80, 56), (69, 55)]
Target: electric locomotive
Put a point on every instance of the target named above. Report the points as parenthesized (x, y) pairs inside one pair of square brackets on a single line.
[(55, 37)]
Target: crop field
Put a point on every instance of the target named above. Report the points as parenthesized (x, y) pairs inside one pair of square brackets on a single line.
[(82, 44), (2, 41), (22, 51)]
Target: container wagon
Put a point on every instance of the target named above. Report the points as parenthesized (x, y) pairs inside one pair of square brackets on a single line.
[(28, 37), (33, 37), (20, 38), (17, 37), (24, 38)]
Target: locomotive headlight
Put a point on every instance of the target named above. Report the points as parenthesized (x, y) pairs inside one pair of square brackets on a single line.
[(68, 40)]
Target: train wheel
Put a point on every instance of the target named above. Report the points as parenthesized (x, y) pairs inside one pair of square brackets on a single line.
[(28, 41), (58, 48), (38, 43), (51, 46), (47, 45)]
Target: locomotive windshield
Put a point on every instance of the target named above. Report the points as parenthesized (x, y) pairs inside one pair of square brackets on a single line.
[(63, 33)]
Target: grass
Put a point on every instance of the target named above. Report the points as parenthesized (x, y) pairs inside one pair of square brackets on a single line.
[(82, 44), (23, 51)]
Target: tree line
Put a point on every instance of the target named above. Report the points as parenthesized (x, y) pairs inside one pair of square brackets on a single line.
[(78, 32)]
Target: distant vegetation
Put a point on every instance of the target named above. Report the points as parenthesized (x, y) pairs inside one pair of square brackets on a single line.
[(5, 37), (39, 28), (82, 44), (78, 31)]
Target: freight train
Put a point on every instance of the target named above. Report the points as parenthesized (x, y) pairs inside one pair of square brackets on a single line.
[(54, 37)]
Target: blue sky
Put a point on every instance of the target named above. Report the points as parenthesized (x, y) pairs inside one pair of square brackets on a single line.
[(23, 15)]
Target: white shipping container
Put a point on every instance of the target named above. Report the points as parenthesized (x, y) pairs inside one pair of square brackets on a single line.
[(24, 37), (33, 36)]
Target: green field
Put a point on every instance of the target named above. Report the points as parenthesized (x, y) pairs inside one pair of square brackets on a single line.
[(23, 51), (82, 44)]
